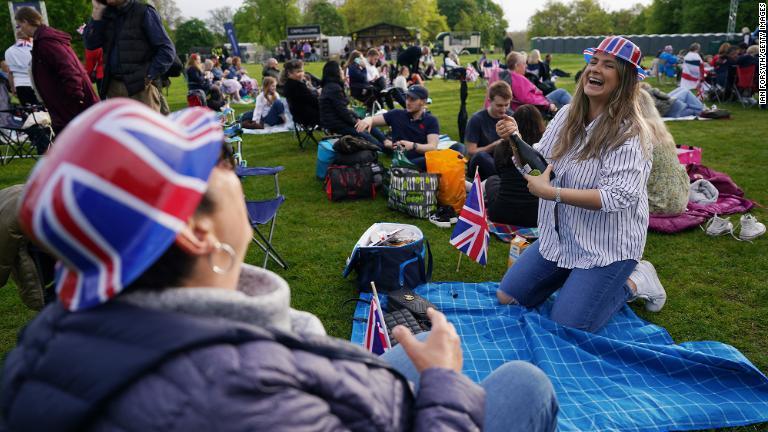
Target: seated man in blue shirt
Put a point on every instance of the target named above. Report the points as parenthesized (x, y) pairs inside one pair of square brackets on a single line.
[(413, 129), (482, 138)]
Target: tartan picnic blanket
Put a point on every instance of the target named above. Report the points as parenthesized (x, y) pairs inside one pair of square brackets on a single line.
[(629, 376), (506, 232)]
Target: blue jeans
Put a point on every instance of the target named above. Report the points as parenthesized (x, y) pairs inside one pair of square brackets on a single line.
[(559, 97), (483, 161), (588, 298), (273, 116), (686, 104), (518, 395), (421, 161)]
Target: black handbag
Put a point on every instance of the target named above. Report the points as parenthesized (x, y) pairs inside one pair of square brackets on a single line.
[(406, 299)]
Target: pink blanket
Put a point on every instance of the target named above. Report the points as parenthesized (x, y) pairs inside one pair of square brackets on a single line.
[(731, 200)]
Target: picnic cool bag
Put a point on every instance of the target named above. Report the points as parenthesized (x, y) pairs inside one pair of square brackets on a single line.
[(392, 255)]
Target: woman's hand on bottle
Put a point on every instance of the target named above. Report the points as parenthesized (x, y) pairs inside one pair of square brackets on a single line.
[(506, 127), (441, 349), (540, 186)]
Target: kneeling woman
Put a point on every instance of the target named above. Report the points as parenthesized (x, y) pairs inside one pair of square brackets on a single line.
[(593, 216)]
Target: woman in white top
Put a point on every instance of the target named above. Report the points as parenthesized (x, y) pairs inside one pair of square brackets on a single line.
[(593, 216), (269, 110)]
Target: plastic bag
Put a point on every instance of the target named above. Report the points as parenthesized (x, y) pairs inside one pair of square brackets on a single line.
[(451, 166), (399, 160)]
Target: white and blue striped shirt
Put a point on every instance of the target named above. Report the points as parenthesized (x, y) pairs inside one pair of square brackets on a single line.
[(595, 238)]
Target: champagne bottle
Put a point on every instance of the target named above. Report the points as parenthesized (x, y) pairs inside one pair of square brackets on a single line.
[(529, 161)]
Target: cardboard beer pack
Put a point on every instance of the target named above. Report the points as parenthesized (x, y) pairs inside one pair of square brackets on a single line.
[(516, 247)]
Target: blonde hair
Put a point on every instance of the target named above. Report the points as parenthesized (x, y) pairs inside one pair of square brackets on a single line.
[(534, 57), (620, 121), (194, 61), (514, 58), (659, 134)]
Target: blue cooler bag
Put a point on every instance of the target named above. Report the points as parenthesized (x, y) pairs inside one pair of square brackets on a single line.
[(393, 255), (325, 157)]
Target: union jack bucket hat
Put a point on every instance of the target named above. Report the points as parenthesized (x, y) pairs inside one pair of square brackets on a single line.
[(622, 48), (113, 192)]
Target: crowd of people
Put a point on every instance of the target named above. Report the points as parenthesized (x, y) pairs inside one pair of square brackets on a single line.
[(183, 335)]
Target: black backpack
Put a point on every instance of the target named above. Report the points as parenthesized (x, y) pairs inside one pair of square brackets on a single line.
[(176, 68)]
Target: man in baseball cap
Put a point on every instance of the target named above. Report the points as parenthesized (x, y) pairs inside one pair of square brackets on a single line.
[(414, 130)]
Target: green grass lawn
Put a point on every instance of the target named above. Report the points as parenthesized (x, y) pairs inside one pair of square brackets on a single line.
[(717, 287)]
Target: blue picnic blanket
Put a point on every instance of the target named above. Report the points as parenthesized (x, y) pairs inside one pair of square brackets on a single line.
[(629, 376)]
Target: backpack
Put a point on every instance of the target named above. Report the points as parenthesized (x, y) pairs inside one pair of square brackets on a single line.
[(352, 182), (358, 157), (176, 68)]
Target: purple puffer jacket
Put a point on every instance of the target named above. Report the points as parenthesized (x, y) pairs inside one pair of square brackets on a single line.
[(289, 376)]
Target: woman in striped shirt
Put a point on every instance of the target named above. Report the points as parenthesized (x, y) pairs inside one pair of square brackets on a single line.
[(593, 216)]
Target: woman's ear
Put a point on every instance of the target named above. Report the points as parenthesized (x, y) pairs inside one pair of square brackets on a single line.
[(197, 237)]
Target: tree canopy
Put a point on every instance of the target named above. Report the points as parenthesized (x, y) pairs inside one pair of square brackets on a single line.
[(327, 16), (265, 21), (193, 33), (417, 14)]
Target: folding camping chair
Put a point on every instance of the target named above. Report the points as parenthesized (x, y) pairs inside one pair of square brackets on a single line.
[(745, 83), (303, 128), (264, 212), (24, 132)]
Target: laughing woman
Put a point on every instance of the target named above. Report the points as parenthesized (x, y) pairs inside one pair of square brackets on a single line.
[(593, 216)]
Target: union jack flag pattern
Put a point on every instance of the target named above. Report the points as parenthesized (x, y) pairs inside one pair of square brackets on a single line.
[(622, 48), (471, 233), (111, 195), (376, 336)]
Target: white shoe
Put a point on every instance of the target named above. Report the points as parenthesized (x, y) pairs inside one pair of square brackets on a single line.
[(750, 227), (719, 226), (649, 286)]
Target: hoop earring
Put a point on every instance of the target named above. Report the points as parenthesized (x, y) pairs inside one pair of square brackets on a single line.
[(230, 253)]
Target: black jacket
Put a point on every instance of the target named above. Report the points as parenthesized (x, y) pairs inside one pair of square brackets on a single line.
[(334, 114), (196, 80), (302, 102)]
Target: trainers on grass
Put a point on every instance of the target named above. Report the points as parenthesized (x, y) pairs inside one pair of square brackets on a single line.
[(750, 227), (648, 286), (719, 226)]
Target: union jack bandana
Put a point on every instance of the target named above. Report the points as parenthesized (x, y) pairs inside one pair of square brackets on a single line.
[(113, 192), (622, 48)]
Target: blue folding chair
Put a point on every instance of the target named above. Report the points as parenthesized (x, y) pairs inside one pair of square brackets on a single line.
[(264, 212)]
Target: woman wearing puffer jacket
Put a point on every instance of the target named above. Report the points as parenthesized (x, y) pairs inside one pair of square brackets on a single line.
[(160, 326)]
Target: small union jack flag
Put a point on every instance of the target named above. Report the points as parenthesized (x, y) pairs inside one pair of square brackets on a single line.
[(111, 195), (376, 336), (471, 234)]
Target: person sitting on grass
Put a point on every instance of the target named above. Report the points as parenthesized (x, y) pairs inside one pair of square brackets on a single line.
[(678, 103), (334, 112), (593, 217), (182, 335), (668, 183), (527, 93), (506, 193), (414, 130), (481, 137), (269, 110)]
